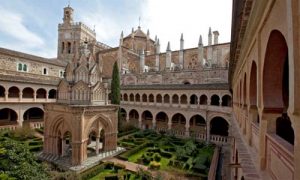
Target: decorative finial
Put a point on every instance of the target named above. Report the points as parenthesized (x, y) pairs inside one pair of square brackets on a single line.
[(200, 43), (168, 47), (69, 3), (94, 27), (209, 31), (181, 38)]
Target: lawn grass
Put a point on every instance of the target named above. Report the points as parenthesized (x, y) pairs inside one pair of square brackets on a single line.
[(134, 158)]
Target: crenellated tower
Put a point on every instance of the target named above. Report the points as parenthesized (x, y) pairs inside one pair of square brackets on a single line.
[(71, 35)]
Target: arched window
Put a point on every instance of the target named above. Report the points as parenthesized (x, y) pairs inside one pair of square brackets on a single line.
[(215, 100), (203, 99), (175, 99)]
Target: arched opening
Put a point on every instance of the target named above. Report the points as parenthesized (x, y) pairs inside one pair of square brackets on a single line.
[(28, 92), (67, 144), (275, 73), (175, 99), (91, 144), (151, 98), (158, 98), (203, 99), (125, 97), (13, 92), (109, 97), (219, 126), (2, 91), (284, 129), (137, 98), (276, 83), (134, 117), (197, 124), (166, 98), (123, 114), (178, 122), (144, 98), (8, 117), (41, 93), (34, 114), (186, 82), (183, 99), (131, 97), (226, 100), (162, 121), (52, 94), (215, 100), (147, 118), (193, 99)]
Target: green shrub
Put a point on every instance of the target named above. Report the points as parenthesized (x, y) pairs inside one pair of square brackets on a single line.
[(165, 154), (88, 174), (36, 148), (111, 177), (33, 143), (157, 157), (154, 165)]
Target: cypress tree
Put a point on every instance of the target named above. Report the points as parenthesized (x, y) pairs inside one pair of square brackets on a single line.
[(115, 90), (115, 85)]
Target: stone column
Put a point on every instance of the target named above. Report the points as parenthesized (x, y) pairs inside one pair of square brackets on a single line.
[(127, 117), (6, 94), (267, 125), (207, 129), (187, 130), (97, 145), (20, 96), (34, 96), (153, 123), (47, 95), (170, 124), (140, 122)]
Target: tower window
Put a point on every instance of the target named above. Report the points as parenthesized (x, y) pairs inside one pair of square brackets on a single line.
[(45, 71), (61, 73), (69, 48), (22, 67)]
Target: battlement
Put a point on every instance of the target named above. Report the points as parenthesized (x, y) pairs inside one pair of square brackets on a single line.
[(78, 25)]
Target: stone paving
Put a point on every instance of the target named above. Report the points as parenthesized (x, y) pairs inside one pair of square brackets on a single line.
[(65, 163)]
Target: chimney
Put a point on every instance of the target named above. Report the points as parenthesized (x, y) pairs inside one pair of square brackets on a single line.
[(216, 37)]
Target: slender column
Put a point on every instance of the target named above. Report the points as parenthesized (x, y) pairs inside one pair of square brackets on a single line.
[(140, 121), (127, 117), (170, 124), (47, 95), (153, 123), (6, 94), (97, 145), (34, 96), (187, 129), (20, 96), (207, 129), (267, 125)]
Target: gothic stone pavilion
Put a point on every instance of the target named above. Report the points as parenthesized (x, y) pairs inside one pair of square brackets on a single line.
[(82, 114)]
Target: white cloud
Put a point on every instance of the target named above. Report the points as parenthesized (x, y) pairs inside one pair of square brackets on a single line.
[(12, 25)]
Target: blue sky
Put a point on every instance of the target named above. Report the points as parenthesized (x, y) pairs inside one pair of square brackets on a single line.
[(30, 26)]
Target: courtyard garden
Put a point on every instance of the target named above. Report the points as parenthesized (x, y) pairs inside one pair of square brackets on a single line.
[(167, 153)]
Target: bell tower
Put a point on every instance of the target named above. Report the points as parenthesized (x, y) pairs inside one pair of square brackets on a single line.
[(68, 15)]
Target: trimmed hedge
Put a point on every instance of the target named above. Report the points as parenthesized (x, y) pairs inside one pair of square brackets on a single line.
[(88, 174), (126, 155)]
